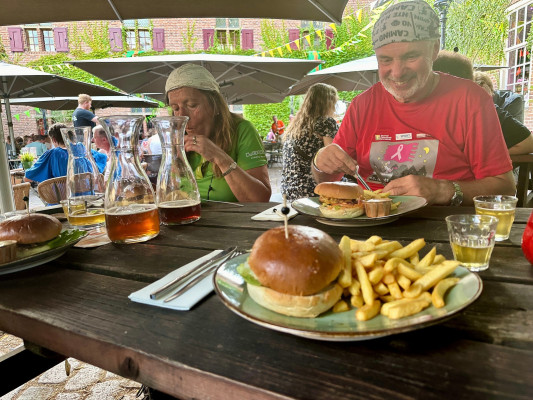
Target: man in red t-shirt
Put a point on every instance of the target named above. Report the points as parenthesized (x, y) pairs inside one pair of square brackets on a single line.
[(419, 132), (278, 127)]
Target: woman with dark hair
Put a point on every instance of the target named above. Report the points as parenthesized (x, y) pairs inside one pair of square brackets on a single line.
[(312, 128), (225, 151)]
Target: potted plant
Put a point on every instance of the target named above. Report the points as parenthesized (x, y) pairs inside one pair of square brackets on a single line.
[(27, 160)]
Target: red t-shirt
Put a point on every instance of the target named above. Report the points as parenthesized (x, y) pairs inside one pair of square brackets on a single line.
[(452, 134), (278, 128)]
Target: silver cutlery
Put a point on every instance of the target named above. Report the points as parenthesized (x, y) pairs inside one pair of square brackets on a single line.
[(200, 277), (356, 178), (164, 290), (225, 202)]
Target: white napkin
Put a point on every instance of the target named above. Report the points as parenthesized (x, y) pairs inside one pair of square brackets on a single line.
[(271, 215), (185, 301)]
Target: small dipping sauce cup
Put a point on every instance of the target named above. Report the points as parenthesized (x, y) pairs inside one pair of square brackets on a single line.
[(377, 207), (501, 207), (472, 239)]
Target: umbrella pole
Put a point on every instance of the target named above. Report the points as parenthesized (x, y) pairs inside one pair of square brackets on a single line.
[(6, 191)]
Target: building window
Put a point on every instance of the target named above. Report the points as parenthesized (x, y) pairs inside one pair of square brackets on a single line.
[(32, 39), (307, 27), (48, 40), (227, 33), (130, 39), (518, 55), (145, 42)]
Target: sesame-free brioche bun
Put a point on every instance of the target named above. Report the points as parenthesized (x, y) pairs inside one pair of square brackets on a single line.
[(29, 229), (339, 190)]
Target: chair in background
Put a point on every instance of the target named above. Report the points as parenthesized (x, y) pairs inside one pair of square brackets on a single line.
[(20, 191), (53, 190)]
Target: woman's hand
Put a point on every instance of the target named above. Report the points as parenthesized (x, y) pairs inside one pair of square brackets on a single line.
[(206, 148)]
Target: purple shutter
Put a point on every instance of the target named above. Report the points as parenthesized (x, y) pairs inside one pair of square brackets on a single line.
[(329, 39), (61, 39), (16, 38), (247, 39), (294, 34), (209, 38), (159, 39), (115, 39)]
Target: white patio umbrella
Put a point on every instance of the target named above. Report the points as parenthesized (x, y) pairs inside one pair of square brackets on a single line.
[(20, 82), (353, 75), (242, 79), (70, 103), (16, 12)]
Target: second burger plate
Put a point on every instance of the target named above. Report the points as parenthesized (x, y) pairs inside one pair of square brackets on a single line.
[(311, 206)]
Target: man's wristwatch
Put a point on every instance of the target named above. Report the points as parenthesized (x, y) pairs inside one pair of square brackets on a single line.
[(457, 198)]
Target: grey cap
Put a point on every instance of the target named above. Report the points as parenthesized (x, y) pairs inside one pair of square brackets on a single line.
[(191, 75), (408, 21)]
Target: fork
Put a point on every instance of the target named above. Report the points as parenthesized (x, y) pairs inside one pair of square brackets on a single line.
[(205, 273)]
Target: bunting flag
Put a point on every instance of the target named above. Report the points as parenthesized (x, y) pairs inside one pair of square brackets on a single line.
[(17, 116), (27, 112), (37, 110)]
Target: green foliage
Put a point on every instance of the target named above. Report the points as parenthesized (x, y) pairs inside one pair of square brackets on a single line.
[(94, 35), (478, 28), (27, 157), (272, 36), (261, 114), (189, 38)]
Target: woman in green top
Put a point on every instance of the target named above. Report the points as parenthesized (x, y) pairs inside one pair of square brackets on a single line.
[(224, 150)]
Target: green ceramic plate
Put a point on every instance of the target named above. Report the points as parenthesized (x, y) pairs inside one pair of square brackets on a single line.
[(310, 206), (231, 288)]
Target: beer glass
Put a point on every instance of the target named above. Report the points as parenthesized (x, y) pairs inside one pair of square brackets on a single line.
[(501, 207), (130, 211), (178, 198), (85, 185)]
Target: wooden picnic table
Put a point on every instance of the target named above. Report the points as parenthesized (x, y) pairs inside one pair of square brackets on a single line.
[(78, 306)]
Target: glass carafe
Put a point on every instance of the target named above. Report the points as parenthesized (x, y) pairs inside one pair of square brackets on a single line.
[(178, 198), (130, 211), (84, 205)]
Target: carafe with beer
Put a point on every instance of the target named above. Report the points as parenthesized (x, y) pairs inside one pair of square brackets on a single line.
[(84, 206), (130, 211), (178, 198)]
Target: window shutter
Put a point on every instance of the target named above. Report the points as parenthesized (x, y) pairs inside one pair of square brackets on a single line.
[(209, 38), (115, 39), (247, 39), (158, 39), (329, 39), (294, 34), (16, 38), (61, 39)]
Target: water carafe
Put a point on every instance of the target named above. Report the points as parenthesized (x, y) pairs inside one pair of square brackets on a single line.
[(130, 211), (177, 194), (84, 206)]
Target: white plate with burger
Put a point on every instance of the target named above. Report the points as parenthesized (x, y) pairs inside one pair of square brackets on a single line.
[(341, 204), (29, 240), (293, 291)]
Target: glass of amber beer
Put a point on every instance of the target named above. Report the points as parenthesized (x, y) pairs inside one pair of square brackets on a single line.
[(501, 207), (177, 194), (130, 211), (472, 239)]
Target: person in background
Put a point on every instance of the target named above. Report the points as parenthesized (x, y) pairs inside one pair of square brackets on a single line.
[(9, 146), (82, 115), (19, 143), (224, 150), (271, 137), (518, 138), (100, 140), (39, 145), (27, 140), (428, 134), (278, 127), (313, 128)]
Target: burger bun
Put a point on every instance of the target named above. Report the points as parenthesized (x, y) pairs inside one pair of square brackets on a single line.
[(339, 190), (342, 212), (30, 228)]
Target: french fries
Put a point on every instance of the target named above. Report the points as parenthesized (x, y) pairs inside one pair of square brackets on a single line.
[(384, 277)]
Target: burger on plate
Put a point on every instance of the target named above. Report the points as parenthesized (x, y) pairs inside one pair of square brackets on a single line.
[(294, 276), (29, 229), (340, 199)]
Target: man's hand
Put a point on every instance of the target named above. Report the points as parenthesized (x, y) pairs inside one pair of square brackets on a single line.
[(435, 191), (333, 160)]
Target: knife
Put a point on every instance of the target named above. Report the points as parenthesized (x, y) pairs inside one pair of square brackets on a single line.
[(162, 291)]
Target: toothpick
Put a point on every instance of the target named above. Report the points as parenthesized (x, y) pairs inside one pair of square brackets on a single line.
[(26, 200), (285, 211)]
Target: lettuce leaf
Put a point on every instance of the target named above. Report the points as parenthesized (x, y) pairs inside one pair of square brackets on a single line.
[(247, 274), (62, 239)]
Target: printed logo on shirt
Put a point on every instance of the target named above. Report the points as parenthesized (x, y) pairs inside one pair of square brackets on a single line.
[(422, 135), (255, 154), (404, 136), (383, 137)]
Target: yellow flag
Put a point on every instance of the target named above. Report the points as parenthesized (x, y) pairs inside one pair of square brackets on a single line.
[(41, 68), (288, 46), (297, 43), (271, 53), (308, 38), (319, 33), (334, 27), (263, 54), (279, 51), (359, 15)]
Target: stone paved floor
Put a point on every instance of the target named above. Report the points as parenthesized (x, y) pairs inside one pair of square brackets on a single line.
[(85, 381)]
